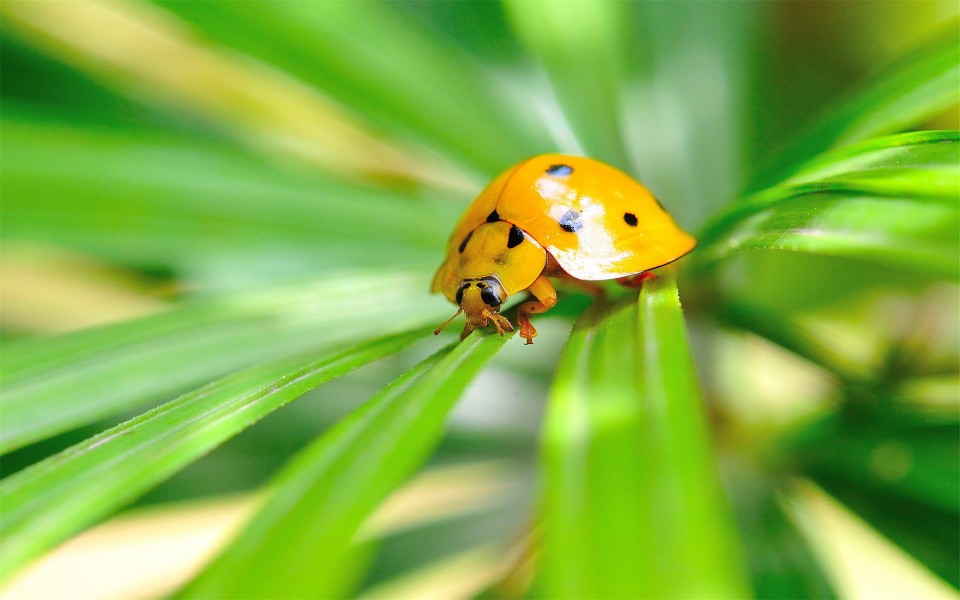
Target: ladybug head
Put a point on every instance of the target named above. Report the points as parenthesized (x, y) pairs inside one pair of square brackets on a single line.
[(480, 299)]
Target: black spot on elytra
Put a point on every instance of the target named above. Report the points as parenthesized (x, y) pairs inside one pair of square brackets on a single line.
[(515, 238), (630, 218), (570, 221), (560, 170), (489, 297), (493, 217), (463, 244)]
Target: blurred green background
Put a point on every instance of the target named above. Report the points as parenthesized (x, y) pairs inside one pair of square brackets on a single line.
[(190, 189)]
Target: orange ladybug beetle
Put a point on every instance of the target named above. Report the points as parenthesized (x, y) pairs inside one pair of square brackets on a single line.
[(552, 216)]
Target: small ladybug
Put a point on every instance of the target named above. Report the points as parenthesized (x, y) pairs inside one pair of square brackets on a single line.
[(552, 216)]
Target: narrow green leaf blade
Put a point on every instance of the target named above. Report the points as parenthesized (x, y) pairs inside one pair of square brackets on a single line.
[(782, 563), (892, 200), (918, 87), (50, 501), (898, 469), (294, 547), (142, 197), (633, 506), (52, 385), (582, 46), (419, 84)]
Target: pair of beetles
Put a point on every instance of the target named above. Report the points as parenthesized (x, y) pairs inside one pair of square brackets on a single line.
[(552, 216)]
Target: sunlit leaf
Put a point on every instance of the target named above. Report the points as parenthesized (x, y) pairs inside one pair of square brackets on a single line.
[(632, 500), (46, 503), (885, 209), (684, 109), (145, 198), (583, 47), (51, 385), (919, 86), (255, 104), (412, 82), (294, 547)]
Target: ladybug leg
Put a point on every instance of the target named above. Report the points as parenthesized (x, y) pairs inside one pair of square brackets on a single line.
[(635, 281), (546, 297), (501, 323)]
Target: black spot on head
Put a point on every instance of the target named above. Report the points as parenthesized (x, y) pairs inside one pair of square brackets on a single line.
[(493, 217), (570, 221), (515, 238), (463, 244), (462, 287), (560, 170), (489, 297), (630, 218)]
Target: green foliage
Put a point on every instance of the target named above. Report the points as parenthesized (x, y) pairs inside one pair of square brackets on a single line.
[(53, 385), (88, 481), (328, 491), (623, 420), (285, 193)]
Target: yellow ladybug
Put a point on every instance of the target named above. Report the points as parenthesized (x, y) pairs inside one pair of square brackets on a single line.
[(552, 216)]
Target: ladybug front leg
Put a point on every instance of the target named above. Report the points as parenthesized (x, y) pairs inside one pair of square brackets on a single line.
[(546, 297), (467, 330)]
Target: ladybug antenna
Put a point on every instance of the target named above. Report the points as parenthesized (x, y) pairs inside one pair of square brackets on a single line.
[(447, 322)]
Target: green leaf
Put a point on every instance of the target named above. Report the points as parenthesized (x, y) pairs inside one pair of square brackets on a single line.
[(782, 564), (411, 81), (891, 200), (888, 155), (295, 545), (50, 501), (491, 520), (582, 47), (632, 500), (684, 110), (898, 469), (918, 87), (142, 197), (52, 385)]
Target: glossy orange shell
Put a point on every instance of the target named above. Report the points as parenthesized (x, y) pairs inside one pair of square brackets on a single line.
[(597, 222)]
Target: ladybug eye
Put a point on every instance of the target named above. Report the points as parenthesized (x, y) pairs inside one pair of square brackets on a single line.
[(489, 297)]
